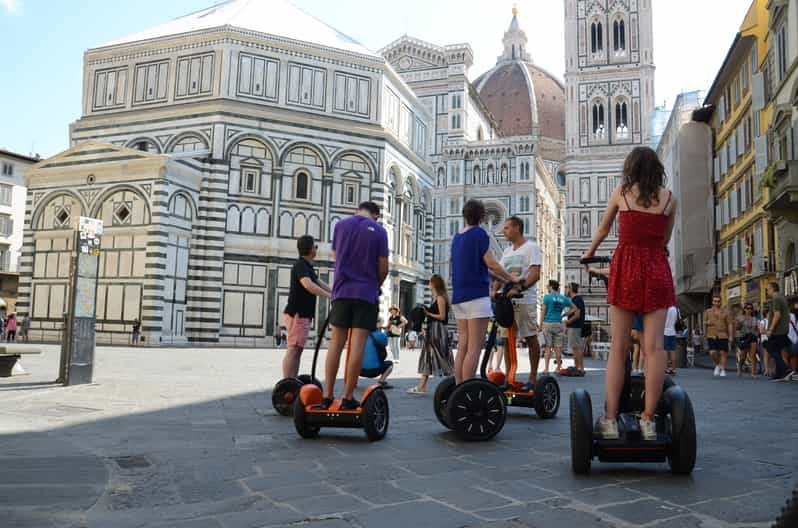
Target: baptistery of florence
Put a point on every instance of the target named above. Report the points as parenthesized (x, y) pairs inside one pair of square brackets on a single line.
[(208, 144)]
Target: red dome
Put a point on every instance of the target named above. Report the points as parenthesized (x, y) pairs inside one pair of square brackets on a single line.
[(507, 94)]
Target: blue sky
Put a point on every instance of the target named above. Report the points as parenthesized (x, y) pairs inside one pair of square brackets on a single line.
[(42, 44)]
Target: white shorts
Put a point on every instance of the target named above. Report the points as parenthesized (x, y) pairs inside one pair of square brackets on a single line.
[(473, 309)]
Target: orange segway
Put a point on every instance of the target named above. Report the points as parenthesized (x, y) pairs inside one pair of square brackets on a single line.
[(372, 415), (545, 396)]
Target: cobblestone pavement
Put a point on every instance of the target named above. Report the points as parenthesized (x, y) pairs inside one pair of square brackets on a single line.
[(187, 438)]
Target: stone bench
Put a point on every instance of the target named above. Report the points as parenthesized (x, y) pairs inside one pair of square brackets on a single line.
[(9, 355)]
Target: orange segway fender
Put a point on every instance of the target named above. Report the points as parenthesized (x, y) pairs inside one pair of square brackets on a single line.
[(310, 394), (496, 377)]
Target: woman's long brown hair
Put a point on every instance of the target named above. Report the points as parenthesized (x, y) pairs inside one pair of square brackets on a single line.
[(439, 286), (644, 169)]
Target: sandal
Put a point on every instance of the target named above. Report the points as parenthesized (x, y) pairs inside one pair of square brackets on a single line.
[(414, 390)]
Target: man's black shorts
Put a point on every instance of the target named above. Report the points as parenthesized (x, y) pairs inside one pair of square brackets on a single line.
[(718, 344), (353, 313), (376, 372)]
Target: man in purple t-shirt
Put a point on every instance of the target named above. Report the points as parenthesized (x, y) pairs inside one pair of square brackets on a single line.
[(360, 249)]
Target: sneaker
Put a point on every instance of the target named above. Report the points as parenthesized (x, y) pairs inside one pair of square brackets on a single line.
[(794, 376), (607, 429), (528, 387), (717, 371), (349, 405), (325, 404), (722, 373), (789, 376), (414, 390), (648, 429)]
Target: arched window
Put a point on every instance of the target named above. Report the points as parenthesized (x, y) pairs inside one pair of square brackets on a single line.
[(441, 177), (262, 222), (302, 186), (503, 173), (491, 174), (233, 219), (596, 37), (598, 120), (247, 220), (619, 35), (621, 120), (477, 174)]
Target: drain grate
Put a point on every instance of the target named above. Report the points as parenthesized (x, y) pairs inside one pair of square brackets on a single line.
[(131, 462)]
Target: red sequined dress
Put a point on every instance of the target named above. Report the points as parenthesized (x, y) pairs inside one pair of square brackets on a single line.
[(640, 276)]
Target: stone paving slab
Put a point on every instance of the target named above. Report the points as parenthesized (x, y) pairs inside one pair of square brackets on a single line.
[(208, 451)]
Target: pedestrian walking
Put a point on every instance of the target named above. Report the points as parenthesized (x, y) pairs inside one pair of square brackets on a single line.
[(554, 303), (11, 328), (394, 327), (24, 328), (135, 332), (747, 331), (778, 333), (575, 326), (471, 259), (764, 359), (669, 340), (719, 329), (436, 356)]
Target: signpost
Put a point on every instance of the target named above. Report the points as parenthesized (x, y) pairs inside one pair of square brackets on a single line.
[(79, 341)]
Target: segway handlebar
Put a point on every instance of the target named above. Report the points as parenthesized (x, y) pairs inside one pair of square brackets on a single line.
[(593, 275), (319, 340), (596, 260)]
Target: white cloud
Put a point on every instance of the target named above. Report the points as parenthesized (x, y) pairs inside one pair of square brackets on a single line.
[(11, 6)]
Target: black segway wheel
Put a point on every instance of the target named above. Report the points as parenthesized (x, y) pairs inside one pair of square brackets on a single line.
[(789, 514), (306, 378), (662, 406), (581, 432), (376, 415), (442, 393), (683, 447), (302, 428), (285, 394), (476, 410), (547, 397)]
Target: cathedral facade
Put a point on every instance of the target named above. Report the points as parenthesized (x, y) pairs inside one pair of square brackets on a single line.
[(609, 82), (207, 145), (499, 139)]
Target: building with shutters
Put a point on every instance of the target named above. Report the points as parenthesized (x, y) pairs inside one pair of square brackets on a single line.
[(499, 139), (782, 172), (609, 84), (207, 145), (12, 215), (745, 237)]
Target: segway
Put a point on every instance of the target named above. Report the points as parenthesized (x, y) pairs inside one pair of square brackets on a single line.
[(286, 390), (545, 396), (372, 415), (676, 433)]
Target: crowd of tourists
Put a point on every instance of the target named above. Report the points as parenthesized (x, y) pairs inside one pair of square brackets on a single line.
[(640, 295)]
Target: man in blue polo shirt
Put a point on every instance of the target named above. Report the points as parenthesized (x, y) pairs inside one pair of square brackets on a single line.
[(360, 248)]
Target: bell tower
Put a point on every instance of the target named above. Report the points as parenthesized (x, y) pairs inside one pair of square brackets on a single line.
[(609, 83)]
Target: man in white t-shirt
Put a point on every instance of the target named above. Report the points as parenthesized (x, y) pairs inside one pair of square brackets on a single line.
[(670, 340), (523, 258)]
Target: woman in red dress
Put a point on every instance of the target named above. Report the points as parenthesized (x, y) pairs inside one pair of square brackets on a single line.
[(640, 280)]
